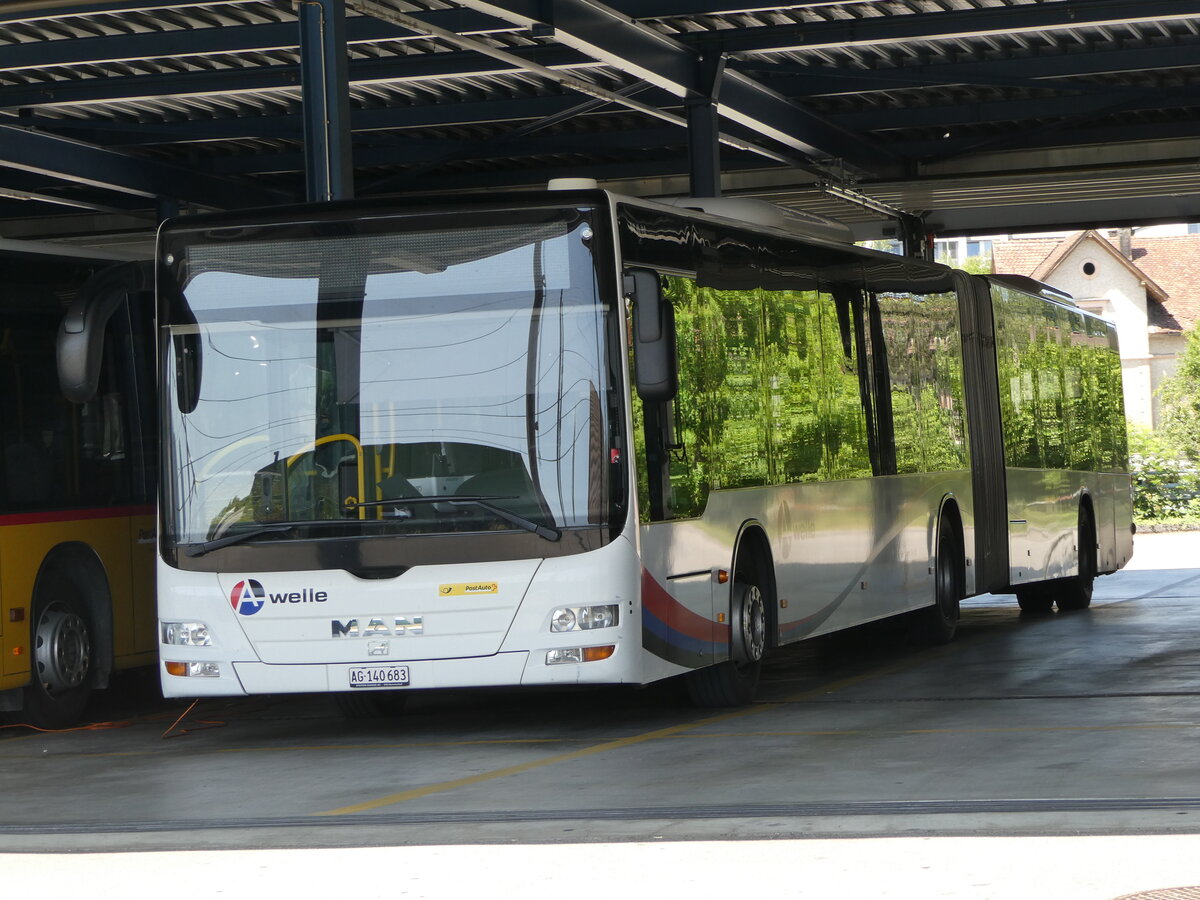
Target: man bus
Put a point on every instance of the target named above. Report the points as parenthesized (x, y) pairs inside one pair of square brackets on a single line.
[(571, 437)]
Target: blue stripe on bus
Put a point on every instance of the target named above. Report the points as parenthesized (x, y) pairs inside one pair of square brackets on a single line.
[(664, 641)]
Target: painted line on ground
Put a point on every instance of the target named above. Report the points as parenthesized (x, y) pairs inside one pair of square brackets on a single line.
[(621, 743)]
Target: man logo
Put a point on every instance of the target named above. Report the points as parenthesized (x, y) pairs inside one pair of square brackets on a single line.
[(248, 597)]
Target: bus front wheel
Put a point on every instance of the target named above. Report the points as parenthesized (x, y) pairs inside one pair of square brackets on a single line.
[(734, 681), (61, 680)]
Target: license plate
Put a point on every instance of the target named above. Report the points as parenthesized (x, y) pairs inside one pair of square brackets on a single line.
[(378, 676)]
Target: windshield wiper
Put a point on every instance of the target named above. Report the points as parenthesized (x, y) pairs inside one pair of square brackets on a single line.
[(237, 537), (542, 531)]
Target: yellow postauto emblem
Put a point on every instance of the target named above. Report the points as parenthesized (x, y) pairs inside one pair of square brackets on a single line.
[(469, 587)]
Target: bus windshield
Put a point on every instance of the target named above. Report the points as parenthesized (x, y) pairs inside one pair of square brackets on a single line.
[(399, 376)]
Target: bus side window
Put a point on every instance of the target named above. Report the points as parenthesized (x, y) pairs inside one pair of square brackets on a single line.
[(102, 469), (31, 412)]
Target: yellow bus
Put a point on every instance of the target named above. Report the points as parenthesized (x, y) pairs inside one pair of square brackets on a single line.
[(76, 482)]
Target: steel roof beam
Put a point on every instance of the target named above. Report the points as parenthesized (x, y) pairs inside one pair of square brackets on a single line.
[(41, 10), (571, 82), (1082, 142), (29, 11), (818, 81), (110, 170), (118, 133), (268, 78), (18, 184), (227, 39), (603, 171), (614, 39), (1025, 109), (943, 26), (653, 139), (814, 82)]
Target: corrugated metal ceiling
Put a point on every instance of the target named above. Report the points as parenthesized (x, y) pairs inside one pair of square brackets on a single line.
[(981, 114)]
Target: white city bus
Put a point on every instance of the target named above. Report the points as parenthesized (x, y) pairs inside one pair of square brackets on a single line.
[(570, 437)]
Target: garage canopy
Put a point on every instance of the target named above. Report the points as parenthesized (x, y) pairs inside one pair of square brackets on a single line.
[(976, 115)]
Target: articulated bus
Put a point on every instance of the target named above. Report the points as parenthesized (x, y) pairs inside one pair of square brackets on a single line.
[(77, 480), (569, 437)]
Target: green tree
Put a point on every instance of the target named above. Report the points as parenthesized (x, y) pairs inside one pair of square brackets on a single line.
[(977, 265), (1180, 396)]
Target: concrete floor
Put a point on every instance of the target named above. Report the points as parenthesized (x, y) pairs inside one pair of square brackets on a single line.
[(1057, 726)]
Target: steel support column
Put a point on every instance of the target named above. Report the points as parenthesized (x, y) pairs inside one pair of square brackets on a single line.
[(325, 82), (704, 128)]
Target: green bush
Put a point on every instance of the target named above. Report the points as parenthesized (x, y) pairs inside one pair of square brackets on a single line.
[(1166, 483)]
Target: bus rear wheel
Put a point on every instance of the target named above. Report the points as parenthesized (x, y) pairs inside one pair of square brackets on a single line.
[(1076, 592), (937, 624), (61, 680), (734, 681)]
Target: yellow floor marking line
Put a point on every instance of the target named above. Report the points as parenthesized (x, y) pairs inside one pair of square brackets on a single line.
[(306, 748), (442, 786), (620, 743)]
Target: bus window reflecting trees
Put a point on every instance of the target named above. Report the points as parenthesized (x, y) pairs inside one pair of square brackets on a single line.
[(810, 380), (1061, 405)]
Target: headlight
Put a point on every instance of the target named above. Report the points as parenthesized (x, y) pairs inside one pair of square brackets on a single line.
[(186, 634), (583, 618)]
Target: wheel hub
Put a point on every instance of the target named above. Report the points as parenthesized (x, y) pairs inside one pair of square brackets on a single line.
[(751, 627), (63, 650)]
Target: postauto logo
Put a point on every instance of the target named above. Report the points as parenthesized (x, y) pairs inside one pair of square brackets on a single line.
[(248, 597)]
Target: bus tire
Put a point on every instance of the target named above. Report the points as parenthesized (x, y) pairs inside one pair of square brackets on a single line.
[(937, 624), (1035, 599), (370, 706), (1075, 593), (734, 681), (63, 654)]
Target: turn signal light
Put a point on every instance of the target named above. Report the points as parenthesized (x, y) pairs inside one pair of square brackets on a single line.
[(193, 669), (579, 654)]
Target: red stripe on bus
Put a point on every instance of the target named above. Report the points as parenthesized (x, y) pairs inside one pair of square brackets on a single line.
[(659, 602), (75, 515)]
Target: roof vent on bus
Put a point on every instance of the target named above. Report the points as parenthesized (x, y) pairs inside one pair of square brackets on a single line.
[(572, 184), (762, 212)]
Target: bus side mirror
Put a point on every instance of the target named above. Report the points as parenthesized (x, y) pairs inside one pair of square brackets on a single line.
[(80, 345), (654, 351)]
